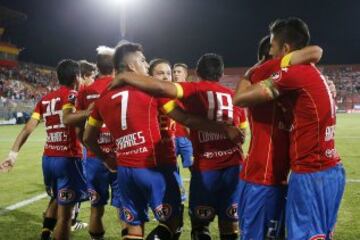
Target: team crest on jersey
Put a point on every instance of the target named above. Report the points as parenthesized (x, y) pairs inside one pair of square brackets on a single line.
[(72, 97), (276, 76), (66, 195), (163, 212), (94, 196), (129, 217), (232, 212), (205, 212)]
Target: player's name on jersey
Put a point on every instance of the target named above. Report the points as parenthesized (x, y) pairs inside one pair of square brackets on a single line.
[(130, 140), (209, 136), (55, 137), (216, 154)]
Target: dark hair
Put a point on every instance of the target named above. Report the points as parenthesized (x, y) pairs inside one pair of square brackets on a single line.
[(264, 48), (155, 62), (210, 67), (183, 65), (292, 31), (67, 70), (104, 63), (86, 68), (121, 51)]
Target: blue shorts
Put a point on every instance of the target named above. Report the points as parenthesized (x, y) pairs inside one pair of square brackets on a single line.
[(215, 192), (261, 211), (185, 150), (98, 181), (64, 179), (143, 187), (313, 203)]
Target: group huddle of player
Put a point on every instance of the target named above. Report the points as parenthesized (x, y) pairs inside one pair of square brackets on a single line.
[(288, 186)]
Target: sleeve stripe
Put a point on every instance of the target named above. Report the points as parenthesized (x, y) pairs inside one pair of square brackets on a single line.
[(179, 91), (169, 106), (285, 61), (36, 116), (94, 122), (243, 125), (68, 106)]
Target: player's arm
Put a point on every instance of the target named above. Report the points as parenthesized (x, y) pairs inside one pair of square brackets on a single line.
[(147, 84), (71, 117), (21, 138), (258, 93), (91, 134), (198, 123), (306, 55)]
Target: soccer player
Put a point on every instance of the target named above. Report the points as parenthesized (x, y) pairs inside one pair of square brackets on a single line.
[(142, 180), (88, 73), (317, 181), (98, 177), (62, 169), (183, 144), (264, 174), (217, 161)]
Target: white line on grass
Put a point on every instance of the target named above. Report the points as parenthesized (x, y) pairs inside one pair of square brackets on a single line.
[(23, 203), (44, 195)]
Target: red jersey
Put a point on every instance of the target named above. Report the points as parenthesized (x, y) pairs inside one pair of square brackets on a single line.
[(86, 96), (132, 118), (312, 110), (268, 159), (180, 130), (166, 154), (211, 100), (61, 140)]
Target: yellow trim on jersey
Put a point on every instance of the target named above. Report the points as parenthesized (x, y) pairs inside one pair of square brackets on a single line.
[(243, 125), (94, 122), (169, 106), (68, 106), (36, 116), (285, 61), (179, 91)]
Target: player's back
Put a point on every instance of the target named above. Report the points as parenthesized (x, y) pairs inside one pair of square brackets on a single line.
[(213, 101), (312, 109), (61, 139), (88, 95), (270, 132), (132, 118)]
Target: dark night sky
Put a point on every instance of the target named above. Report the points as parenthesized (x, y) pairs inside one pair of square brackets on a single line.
[(180, 30)]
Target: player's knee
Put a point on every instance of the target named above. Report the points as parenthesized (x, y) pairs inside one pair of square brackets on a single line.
[(200, 233), (161, 232)]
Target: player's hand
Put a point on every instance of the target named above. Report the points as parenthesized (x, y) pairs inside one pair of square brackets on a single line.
[(118, 81), (235, 134), (9, 162), (88, 111)]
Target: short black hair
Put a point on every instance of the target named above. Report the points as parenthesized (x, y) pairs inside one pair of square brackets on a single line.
[(292, 31), (121, 51), (155, 62), (67, 71), (183, 65), (264, 48), (86, 68), (210, 67), (104, 63)]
